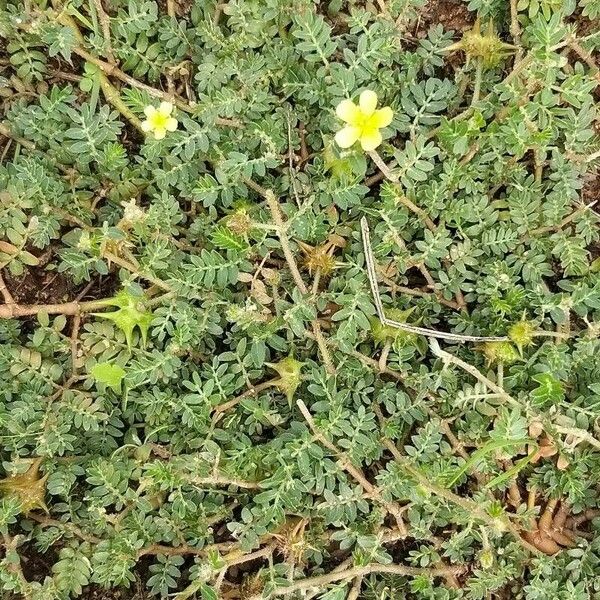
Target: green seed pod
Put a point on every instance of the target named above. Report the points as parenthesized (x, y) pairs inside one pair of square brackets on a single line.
[(386, 333), (500, 352), (488, 47), (289, 376), (130, 313), (337, 166), (522, 334)]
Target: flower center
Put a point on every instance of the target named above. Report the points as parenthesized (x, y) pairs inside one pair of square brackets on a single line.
[(365, 122), (159, 121)]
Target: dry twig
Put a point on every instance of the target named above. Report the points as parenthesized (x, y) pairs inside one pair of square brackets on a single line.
[(370, 264)]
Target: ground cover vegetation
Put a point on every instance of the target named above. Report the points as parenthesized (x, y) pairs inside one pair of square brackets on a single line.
[(299, 299)]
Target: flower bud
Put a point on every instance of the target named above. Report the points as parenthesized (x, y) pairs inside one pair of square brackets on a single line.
[(486, 558)]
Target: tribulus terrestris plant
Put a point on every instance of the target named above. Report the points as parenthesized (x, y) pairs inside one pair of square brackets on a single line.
[(300, 299)]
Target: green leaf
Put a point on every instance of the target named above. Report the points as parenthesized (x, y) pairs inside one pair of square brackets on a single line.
[(550, 390), (109, 374), (225, 239), (28, 258), (208, 592), (72, 571)]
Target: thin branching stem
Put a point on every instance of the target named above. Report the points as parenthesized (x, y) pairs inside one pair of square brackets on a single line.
[(392, 569), (392, 177), (104, 20), (372, 491), (515, 29), (276, 215)]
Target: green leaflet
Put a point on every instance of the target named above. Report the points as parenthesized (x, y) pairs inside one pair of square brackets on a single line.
[(488, 448)]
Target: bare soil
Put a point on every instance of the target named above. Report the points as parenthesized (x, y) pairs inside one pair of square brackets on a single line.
[(96, 593), (41, 286), (451, 14)]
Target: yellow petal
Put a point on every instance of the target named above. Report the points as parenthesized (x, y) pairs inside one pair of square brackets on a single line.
[(347, 136), (146, 126), (348, 111), (166, 108), (159, 134), (171, 124), (149, 111), (370, 139), (368, 102), (382, 117)]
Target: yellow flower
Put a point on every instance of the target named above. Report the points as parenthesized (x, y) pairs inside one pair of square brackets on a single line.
[(363, 121), (159, 120)]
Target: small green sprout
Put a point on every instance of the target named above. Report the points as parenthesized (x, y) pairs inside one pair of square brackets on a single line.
[(109, 374), (383, 334)]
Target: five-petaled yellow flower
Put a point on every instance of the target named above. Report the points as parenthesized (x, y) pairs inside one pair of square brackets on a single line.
[(363, 121), (159, 120)]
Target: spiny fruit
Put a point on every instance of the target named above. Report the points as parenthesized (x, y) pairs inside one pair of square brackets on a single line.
[(130, 314), (289, 376), (522, 334), (500, 352), (239, 221), (29, 488), (489, 48), (386, 333), (318, 258)]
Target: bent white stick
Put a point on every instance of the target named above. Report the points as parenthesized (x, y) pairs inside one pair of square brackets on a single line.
[(370, 262)]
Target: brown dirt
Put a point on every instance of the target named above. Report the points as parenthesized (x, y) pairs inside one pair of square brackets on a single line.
[(585, 26), (591, 190), (451, 14), (40, 285), (97, 593), (37, 566)]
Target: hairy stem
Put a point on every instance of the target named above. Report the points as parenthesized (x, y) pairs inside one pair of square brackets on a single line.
[(105, 25), (253, 391), (448, 358), (394, 178), (515, 29), (13, 311), (477, 84), (392, 569), (277, 217)]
